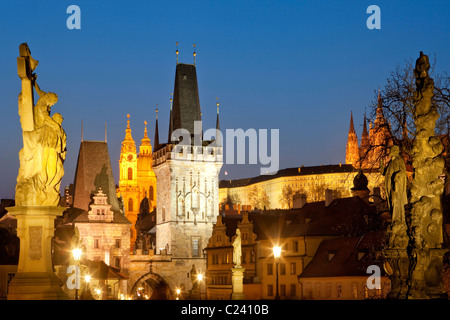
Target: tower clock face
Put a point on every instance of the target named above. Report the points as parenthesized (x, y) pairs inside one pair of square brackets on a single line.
[(130, 157)]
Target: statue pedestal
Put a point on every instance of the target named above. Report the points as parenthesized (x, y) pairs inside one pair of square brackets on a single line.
[(35, 278), (399, 262), (237, 280)]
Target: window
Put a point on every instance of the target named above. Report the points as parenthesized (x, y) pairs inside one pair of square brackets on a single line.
[(295, 246), (282, 290), (355, 290), (96, 243), (282, 269), (317, 293), (339, 290), (270, 290), (215, 258), (117, 262), (293, 268), (150, 193), (117, 243), (269, 269), (195, 248), (130, 174), (293, 290), (309, 294), (244, 257), (328, 289), (130, 204)]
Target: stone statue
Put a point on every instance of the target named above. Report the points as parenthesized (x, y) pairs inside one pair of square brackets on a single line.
[(237, 250), (44, 145), (395, 184), (426, 190)]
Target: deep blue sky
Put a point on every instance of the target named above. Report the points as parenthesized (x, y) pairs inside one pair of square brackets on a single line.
[(297, 66)]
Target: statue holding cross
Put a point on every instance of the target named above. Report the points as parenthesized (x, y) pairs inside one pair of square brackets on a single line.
[(44, 140)]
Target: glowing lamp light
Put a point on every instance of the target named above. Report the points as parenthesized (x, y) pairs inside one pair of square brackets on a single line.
[(87, 278), (199, 277), (76, 254), (178, 291), (277, 252)]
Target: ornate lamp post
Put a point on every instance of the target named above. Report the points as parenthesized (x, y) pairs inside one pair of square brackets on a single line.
[(77, 257), (277, 255)]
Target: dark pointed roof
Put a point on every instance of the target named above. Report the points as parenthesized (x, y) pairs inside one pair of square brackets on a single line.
[(352, 127), (156, 140), (186, 102), (94, 171)]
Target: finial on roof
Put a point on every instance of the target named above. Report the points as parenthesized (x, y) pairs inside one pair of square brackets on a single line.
[(171, 101), (105, 133), (177, 52), (81, 130), (128, 121), (217, 98), (156, 111), (194, 54)]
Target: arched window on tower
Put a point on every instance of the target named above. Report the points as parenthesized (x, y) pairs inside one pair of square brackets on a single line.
[(151, 193), (130, 204), (130, 174)]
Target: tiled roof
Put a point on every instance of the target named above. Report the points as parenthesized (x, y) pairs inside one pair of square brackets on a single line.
[(346, 256)]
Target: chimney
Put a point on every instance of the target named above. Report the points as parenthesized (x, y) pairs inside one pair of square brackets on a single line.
[(328, 197), (299, 200)]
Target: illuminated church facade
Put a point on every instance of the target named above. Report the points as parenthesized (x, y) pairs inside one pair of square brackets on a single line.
[(137, 180)]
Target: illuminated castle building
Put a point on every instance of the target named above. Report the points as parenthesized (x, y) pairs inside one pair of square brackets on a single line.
[(374, 144)]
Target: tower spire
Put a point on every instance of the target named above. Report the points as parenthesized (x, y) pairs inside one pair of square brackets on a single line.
[(195, 54), (170, 118), (156, 140), (81, 130), (352, 150), (177, 51), (218, 134), (352, 127), (105, 133)]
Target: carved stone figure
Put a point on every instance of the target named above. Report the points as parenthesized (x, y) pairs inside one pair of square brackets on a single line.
[(44, 145), (395, 184), (427, 188), (237, 250)]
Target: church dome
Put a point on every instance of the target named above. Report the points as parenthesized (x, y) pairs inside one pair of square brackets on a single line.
[(360, 182)]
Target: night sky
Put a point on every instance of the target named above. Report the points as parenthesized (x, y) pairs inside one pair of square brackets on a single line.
[(297, 66)]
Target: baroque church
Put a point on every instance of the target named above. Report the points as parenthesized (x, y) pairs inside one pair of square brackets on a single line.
[(137, 180)]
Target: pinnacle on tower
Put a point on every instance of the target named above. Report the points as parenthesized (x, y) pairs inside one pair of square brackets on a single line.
[(352, 150), (156, 140)]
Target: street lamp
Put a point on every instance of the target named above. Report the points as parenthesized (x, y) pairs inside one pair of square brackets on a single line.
[(77, 256), (200, 280), (277, 255)]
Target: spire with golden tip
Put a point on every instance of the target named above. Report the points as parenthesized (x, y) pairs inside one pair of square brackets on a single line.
[(128, 144), (195, 54)]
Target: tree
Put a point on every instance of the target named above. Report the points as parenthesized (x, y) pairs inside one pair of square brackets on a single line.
[(286, 197), (396, 102), (258, 198), (230, 200)]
